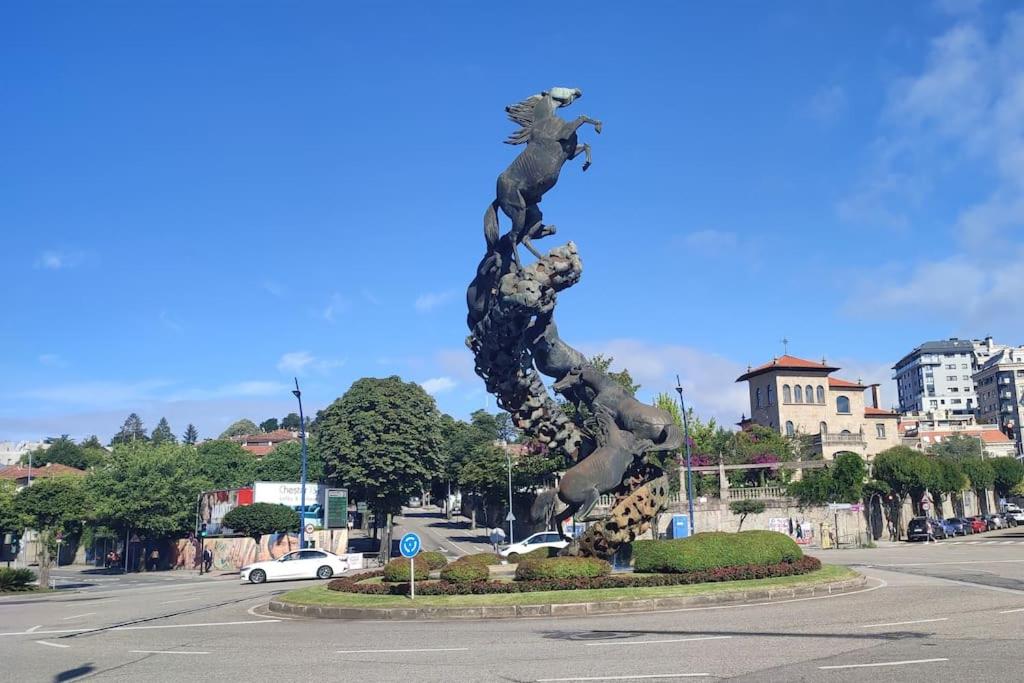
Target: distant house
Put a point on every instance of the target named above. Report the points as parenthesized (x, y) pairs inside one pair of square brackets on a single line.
[(993, 442), (261, 444), (20, 474), (11, 451)]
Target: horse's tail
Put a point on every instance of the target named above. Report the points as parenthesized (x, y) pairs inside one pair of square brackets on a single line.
[(491, 226)]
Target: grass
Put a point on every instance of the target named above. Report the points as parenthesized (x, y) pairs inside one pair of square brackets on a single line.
[(320, 595)]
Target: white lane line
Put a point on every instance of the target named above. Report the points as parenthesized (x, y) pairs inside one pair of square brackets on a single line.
[(168, 602), (167, 652), (34, 629), (623, 678), (215, 623), (905, 623), (906, 661), (43, 642), (78, 616), (28, 633), (425, 649), (654, 642), (1011, 611)]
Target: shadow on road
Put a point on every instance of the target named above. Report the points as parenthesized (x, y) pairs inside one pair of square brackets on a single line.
[(71, 674)]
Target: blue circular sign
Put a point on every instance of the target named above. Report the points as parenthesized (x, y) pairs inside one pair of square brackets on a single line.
[(409, 545)]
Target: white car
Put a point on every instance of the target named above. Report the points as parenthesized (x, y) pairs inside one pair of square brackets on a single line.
[(543, 539), (301, 564)]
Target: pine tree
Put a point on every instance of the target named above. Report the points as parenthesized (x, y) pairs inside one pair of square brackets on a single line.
[(191, 435), (163, 433), (132, 430)]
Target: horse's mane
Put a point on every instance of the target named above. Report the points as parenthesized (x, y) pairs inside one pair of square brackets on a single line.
[(522, 114)]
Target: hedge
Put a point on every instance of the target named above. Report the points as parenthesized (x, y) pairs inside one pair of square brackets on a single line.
[(433, 559), (12, 580), (538, 554), (483, 558), (353, 584), (714, 549), (398, 570), (465, 571), (562, 568)]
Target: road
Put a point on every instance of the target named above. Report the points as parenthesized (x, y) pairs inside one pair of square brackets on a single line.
[(930, 612)]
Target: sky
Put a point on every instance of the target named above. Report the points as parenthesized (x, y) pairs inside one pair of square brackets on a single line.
[(201, 201)]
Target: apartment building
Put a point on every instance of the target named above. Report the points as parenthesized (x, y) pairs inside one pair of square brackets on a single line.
[(938, 376), (796, 396), (1000, 387)]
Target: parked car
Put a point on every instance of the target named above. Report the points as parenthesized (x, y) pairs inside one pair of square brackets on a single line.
[(995, 521), (978, 524), (301, 564), (944, 528), (919, 528), (1014, 515), (967, 524), (957, 526), (543, 539)]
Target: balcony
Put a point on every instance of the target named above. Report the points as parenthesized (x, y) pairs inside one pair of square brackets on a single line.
[(840, 440)]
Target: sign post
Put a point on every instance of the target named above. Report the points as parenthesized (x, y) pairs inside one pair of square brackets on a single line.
[(336, 513), (410, 546)]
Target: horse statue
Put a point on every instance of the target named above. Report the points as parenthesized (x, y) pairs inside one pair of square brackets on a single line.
[(550, 142)]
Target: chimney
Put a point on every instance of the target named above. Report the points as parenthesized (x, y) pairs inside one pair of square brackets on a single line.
[(874, 395)]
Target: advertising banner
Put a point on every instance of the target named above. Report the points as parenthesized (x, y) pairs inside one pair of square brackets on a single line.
[(213, 505), (289, 493)]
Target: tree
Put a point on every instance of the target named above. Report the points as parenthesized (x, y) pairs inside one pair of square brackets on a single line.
[(64, 451), (191, 435), (92, 442), (269, 425), (1008, 473), (957, 447), (841, 482), (225, 464), (163, 433), (241, 427), (708, 440), (603, 363), (262, 518), (131, 430), (979, 472), (284, 463), (11, 519), (948, 477), (291, 422), (49, 506), (744, 508), (382, 439), (907, 473)]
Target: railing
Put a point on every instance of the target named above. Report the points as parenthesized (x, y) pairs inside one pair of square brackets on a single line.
[(758, 493), (840, 440), (607, 499)]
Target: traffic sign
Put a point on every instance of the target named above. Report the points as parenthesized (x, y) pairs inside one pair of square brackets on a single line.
[(409, 545), (510, 517), (310, 528)]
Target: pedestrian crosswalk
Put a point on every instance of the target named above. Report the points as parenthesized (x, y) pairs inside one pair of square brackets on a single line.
[(990, 542)]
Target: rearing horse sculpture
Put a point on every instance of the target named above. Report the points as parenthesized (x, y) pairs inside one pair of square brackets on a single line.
[(550, 142)]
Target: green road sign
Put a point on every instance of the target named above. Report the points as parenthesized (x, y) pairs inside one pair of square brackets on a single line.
[(336, 516)]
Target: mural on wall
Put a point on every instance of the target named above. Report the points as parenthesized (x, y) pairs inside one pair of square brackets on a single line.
[(231, 554)]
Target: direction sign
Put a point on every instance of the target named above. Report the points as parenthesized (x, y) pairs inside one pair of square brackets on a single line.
[(409, 545), (510, 517)]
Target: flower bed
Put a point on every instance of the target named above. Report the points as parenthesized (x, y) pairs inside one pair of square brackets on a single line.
[(354, 584)]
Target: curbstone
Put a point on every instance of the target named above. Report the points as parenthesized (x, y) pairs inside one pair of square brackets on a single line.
[(578, 609)]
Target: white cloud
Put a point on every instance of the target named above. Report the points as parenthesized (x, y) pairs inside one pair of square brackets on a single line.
[(431, 300), (437, 385), (335, 307), (54, 259), (99, 394), (297, 362), (828, 104)]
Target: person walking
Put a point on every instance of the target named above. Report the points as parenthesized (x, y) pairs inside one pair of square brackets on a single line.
[(207, 560), (930, 529)]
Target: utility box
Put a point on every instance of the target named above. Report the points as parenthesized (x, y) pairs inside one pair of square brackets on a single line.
[(680, 526)]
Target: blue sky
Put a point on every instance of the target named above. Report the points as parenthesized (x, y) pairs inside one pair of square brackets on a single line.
[(199, 201)]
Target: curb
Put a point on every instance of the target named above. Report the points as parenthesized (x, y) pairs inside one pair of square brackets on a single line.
[(577, 609)]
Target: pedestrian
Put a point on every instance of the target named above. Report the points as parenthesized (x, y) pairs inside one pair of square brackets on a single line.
[(497, 537), (930, 529), (800, 530), (154, 560), (207, 560)]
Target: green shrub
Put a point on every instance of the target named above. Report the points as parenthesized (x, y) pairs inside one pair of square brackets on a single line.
[(538, 554), (562, 568), (483, 558), (397, 570), (714, 549), (465, 571), (433, 559), (16, 580)]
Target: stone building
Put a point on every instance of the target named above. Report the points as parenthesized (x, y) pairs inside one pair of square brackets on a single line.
[(796, 396)]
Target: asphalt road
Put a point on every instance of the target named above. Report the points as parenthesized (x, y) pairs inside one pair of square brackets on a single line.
[(930, 612)]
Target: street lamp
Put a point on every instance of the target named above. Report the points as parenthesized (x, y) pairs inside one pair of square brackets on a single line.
[(511, 517), (686, 445), (302, 483)]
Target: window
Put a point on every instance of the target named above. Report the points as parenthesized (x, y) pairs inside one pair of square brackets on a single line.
[(842, 404), (845, 432), (950, 378), (821, 394), (757, 397), (789, 427), (787, 396), (798, 394), (770, 393), (823, 428), (809, 393), (880, 430), (951, 366), (955, 401), (933, 404), (310, 555), (963, 366)]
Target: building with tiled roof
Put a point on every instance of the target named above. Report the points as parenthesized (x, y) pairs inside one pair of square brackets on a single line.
[(994, 443), (261, 444), (20, 474), (797, 396)]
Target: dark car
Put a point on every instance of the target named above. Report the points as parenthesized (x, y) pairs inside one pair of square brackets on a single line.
[(920, 528), (958, 526)]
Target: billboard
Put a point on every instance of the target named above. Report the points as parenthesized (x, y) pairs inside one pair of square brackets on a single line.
[(337, 509), (289, 493), (213, 505)]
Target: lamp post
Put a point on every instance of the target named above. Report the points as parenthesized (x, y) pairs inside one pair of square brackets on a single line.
[(686, 446), (302, 482), (511, 517)]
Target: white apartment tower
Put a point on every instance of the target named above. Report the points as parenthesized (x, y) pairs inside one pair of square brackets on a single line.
[(938, 376), (1000, 387)]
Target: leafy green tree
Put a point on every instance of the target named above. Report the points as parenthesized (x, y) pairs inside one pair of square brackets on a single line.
[(948, 477), (979, 472), (291, 422), (225, 464), (11, 519), (841, 482), (744, 508), (162, 433), (484, 472), (191, 435), (382, 439), (269, 425), (1009, 472), (132, 430), (259, 519), (64, 451), (284, 463), (51, 505), (957, 447), (239, 428), (708, 441), (604, 363), (92, 442)]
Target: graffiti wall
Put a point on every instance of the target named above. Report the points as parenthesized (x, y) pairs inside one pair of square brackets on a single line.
[(231, 554)]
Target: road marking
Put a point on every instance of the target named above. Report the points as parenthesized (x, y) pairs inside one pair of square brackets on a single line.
[(78, 616), (623, 678), (906, 661), (167, 652), (215, 623), (28, 633), (168, 602), (654, 642), (1011, 611), (43, 642), (34, 628), (905, 623), (426, 649)]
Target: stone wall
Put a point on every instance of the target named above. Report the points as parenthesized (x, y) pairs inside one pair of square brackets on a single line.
[(231, 554)]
